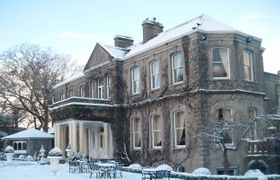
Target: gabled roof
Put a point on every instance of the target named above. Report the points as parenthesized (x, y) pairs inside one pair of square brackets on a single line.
[(115, 52), (29, 134)]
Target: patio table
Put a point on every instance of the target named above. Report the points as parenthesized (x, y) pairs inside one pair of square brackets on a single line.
[(106, 169)]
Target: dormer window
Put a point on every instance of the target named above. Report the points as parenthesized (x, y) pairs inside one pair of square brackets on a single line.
[(220, 63)]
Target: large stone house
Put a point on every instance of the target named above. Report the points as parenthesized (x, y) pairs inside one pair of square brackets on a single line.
[(156, 101)]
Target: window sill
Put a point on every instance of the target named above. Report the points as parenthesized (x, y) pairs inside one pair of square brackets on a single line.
[(136, 94), (177, 83), (249, 81), (179, 147), (220, 79), (155, 89), (155, 149)]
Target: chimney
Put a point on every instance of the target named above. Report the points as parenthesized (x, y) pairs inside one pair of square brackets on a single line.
[(151, 28), (123, 41)]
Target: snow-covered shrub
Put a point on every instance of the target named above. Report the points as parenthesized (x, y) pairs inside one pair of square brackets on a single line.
[(55, 152), (164, 167), (21, 156), (135, 166), (255, 173), (29, 158), (9, 149), (202, 171)]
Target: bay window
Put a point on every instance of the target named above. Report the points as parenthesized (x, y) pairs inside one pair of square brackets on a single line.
[(220, 63)]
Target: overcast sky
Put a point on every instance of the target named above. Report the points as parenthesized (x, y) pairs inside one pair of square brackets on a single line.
[(73, 27)]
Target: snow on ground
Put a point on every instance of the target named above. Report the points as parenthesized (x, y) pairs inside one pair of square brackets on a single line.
[(24, 170)]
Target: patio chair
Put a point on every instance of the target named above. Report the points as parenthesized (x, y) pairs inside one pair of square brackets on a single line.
[(119, 169), (74, 166), (160, 174), (94, 170)]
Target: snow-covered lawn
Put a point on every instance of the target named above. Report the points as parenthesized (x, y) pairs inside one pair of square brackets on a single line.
[(18, 170)]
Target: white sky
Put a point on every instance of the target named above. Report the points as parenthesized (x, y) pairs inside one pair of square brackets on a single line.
[(73, 27)]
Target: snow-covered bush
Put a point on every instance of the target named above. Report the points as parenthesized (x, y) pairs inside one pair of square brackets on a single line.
[(164, 167), (255, 173), (21, 156), (202, 171), (29, 158), (135, 166), (55, 152), (9, 149)]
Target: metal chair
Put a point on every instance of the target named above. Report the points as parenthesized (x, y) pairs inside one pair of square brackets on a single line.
[(74, 166)]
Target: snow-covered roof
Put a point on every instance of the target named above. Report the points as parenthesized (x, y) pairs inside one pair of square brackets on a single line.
[(72, 78), (29, 134), (202, 23), (116, 52)]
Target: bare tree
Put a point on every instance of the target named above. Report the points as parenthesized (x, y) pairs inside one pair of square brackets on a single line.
[(27, 76), (225, 135)]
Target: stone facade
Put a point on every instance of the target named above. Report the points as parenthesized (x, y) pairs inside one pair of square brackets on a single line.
[(158, 98)]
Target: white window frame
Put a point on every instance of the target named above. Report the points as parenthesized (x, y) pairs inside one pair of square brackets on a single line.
[(230, 119), (179, 68), (22, 150), (108, 87), (156, 131), (82, 91), (249, 66), (228, 63), (154, 76), (100, 87), (135, 81), (136, 132), (92, 89), (180, 128)]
